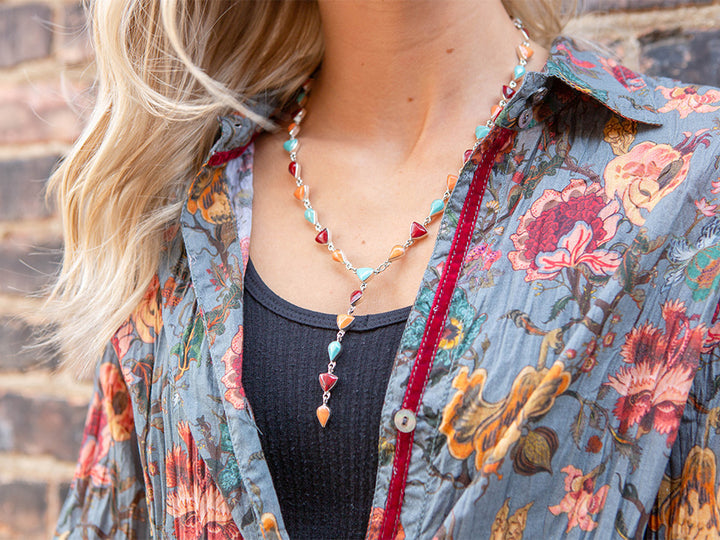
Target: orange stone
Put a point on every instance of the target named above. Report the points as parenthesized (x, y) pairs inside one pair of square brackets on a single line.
[(525, 53), (301, 192), (495, 111), (292, 126), (451, 181), (396, 252), (343, 321), (323, 413), (337, 256)]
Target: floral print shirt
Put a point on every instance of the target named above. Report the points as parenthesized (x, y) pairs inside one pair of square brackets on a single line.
[(560, 363)]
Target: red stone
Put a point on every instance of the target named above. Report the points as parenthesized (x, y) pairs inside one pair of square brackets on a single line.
[(322, 237), (417, 230), (327, 381), (355, 297), (292, 167), (467, 154), (507, 91)]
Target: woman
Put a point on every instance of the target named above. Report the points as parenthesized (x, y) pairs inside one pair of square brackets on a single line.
[(556, 374)]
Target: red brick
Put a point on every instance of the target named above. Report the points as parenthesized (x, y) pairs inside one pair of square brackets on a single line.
[(27, 268), (23, 507), (15, 338), (24, 33), (41, 426), (22, 184), (41, 111)]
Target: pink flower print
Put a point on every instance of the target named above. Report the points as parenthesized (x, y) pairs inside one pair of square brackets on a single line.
[(651, 395), (630, 80), (232, 379), (565, 230), (580, 502), (686, 100), (654, 387), (706, 208)]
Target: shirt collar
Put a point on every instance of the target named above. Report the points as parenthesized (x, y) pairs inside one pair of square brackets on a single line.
[(585, 70), (582, 69)]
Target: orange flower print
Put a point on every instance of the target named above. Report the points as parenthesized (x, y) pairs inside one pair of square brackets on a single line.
[(567, 229), (686, 100), (688, 507), (122, 339), (95, 447), (647, 173), (654, 386), (148, 316), (207, 195), (376, 519), (270, 530), (581, 500), (199, 509), (507, 526), (116, 401), (472, 424)]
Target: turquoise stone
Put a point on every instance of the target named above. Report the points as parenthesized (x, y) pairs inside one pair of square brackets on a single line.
[(310, 215), (519, 71), (481, 132), (290, 145), (334, 349), (364, 273), (436, 207)]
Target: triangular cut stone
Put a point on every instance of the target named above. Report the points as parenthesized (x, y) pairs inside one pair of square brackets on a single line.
[(322, 237), (417, 230), (327, 381)]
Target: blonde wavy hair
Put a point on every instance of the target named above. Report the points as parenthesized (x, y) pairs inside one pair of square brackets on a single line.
[(165, 70)]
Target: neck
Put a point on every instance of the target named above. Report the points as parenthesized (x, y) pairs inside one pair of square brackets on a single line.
[(396, 70)]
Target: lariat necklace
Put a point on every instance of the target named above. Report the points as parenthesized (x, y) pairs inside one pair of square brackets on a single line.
[(418, 229)]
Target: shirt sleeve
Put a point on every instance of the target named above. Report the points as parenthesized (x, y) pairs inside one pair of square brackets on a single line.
[(687, 505), (107, 496)]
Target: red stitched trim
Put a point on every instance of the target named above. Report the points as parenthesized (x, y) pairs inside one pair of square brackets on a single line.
[(433, 330), (716, 314), (218, 158)]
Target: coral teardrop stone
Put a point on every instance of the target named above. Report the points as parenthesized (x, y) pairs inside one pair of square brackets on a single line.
[(343, 321), (323, 413), (451, 181), (495, 111), (337, 256), (356, 296), (396, 252), (327, 381), (322, 237), (301, 192), (507, 91), (525, 52), (417, 231)]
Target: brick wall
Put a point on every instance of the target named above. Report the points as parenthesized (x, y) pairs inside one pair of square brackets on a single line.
[(44, 79)]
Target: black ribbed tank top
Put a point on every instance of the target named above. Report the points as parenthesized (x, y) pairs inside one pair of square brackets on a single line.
[(324, 477)]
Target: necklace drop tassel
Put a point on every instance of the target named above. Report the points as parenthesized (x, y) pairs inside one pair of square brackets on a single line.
[(323, 414)]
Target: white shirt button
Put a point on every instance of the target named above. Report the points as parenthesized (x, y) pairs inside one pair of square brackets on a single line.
[(405, 420)]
